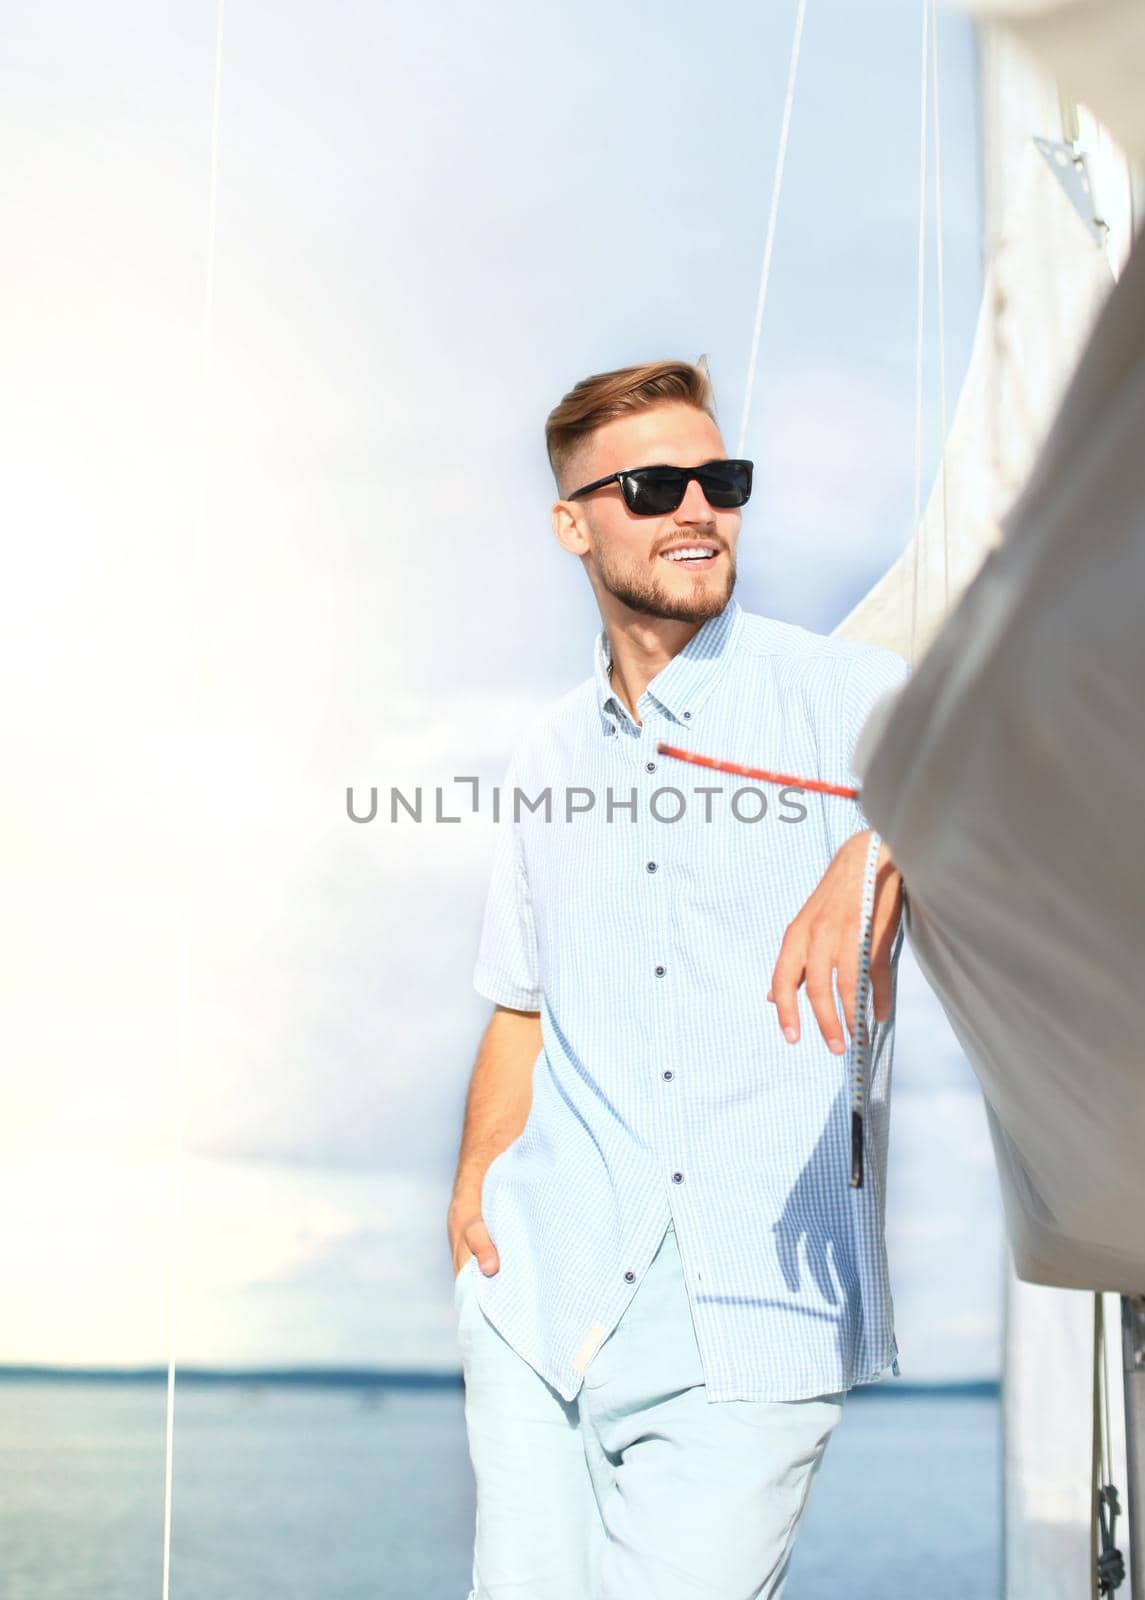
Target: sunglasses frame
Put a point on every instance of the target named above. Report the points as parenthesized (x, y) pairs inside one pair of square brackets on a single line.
[(632, 475)]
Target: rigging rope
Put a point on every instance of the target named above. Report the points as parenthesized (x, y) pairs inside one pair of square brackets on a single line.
[(1107, 1564), (920, 324), (929, 74), (175, 1255), (928, 71), (861, 1043), (772, 220), (940, 286)]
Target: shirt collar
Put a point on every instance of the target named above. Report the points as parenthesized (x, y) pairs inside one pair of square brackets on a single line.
[(682, 684)]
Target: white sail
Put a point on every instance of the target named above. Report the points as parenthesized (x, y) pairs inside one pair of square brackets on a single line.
[(1047, 1434), (1045, 281)]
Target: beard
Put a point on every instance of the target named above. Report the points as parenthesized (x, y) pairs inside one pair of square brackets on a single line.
[(641, 592)]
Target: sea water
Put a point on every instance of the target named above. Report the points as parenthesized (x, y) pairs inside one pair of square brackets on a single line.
[(344, 1491)]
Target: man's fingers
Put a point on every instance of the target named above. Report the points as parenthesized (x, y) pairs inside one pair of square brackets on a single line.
[(881, 988), (821, 994), (482, 1246), (785, 981), (847, 976)]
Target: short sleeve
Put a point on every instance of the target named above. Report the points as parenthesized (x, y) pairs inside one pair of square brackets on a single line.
[(874, 675), (507, 969)]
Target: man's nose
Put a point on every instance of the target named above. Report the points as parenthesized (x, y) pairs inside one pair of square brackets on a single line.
[(694, 506)]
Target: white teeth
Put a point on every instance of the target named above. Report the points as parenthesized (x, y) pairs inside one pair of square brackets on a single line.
[(688, 554)]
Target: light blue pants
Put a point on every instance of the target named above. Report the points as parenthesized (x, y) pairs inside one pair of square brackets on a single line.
[(640, 1488)]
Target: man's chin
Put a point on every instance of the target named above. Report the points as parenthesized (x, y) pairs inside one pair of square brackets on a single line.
[(699, 607)]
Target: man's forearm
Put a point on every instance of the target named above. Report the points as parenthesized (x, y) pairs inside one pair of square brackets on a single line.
[(499, 1098)]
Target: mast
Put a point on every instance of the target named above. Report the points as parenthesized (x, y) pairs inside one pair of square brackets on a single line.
[(1133, 1363)]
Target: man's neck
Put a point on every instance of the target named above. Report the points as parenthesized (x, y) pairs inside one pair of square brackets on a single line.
[(639, 649)]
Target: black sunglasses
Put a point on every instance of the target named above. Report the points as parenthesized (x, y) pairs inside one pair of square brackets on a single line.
[(652, 491)]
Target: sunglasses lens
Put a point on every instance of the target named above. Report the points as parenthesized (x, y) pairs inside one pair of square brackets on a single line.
[(726, 483), (651, 491), (654, 491)]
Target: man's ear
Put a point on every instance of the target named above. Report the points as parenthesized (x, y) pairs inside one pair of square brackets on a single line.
[(566, 526)]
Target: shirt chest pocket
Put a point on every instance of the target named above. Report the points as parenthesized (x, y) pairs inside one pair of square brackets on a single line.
[(589, 880), (740, 878)]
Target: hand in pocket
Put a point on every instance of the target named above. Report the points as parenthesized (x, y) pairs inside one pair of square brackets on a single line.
[(470, 1237)]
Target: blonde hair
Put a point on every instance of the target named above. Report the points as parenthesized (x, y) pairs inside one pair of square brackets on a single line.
[(608, 395)]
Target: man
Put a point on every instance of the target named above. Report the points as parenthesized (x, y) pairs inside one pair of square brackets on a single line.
[(665, 1282)]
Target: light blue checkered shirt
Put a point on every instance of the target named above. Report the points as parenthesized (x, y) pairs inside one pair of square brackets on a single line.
[(664, 1092)]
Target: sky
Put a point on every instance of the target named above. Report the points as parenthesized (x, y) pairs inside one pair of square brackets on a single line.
[(330, 563)]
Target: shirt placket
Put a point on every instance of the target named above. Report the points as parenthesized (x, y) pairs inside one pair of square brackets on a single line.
[(637, 774), (658, 852)]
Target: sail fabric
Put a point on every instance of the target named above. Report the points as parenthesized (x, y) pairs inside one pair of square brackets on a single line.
[(1094, 48), (1047, 1438), (993, 943), (1009, 778), (1045, 283)]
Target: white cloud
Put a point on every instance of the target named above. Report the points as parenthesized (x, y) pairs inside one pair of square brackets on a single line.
[(214, 635), (272, 1264), (834, 473)]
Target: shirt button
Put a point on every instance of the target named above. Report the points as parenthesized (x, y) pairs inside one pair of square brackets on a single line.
[(650, 766), (668, 1074), (687, 715), (652, 866), (630, 1277), (660, 971), (677, 1177)]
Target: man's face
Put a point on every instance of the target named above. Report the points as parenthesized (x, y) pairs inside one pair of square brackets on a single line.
[(625, 553)]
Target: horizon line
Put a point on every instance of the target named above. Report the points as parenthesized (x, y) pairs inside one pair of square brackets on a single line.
[(401, 1378)]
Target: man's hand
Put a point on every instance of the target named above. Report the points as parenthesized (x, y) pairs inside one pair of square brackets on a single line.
[(824, 938), (468, 1236), (496, 1110)]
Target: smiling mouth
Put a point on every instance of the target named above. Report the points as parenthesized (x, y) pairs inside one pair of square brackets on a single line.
[(691, 557)]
